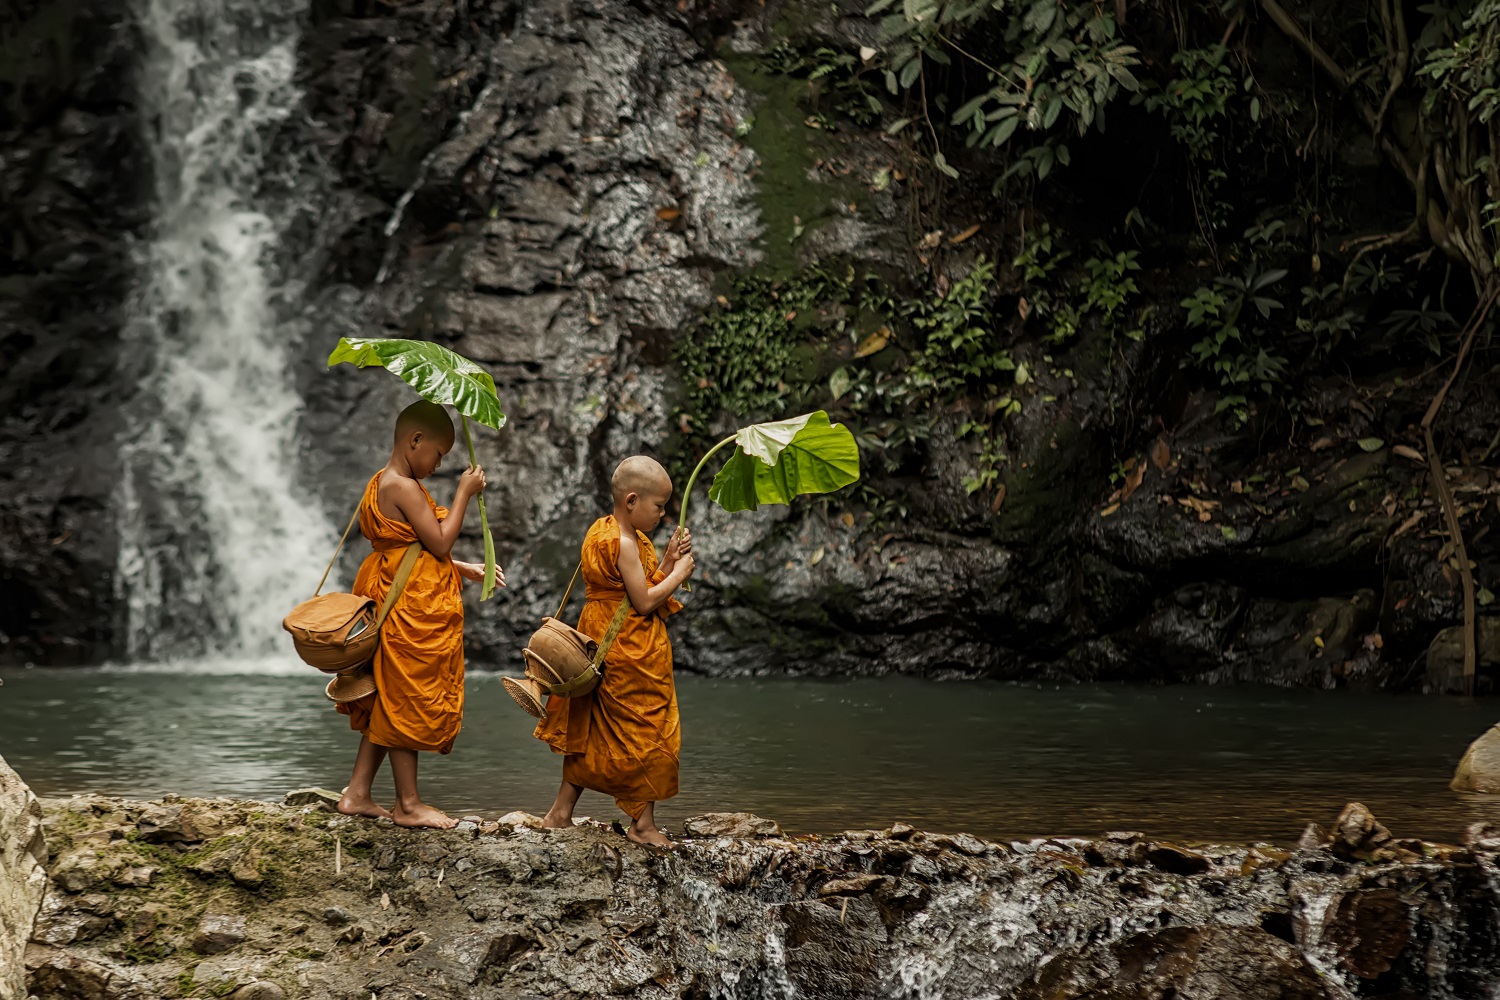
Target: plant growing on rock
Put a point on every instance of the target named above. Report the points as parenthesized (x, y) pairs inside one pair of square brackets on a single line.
[(1049, 70)]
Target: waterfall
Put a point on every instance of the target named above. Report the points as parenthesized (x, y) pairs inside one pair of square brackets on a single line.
[(217, 541)]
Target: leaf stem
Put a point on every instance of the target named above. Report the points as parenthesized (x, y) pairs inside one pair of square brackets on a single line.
[(682, 514), (484, 524)]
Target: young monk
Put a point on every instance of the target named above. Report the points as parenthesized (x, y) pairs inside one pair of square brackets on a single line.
[(418, 703), (622, 738)]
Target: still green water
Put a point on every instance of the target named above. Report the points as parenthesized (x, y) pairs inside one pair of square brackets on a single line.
[(1196, 763)]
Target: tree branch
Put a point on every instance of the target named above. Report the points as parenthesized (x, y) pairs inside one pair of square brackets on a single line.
[(1292, 28)]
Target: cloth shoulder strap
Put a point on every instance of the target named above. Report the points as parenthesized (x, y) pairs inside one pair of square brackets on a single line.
[(615, 623), (403, 571)]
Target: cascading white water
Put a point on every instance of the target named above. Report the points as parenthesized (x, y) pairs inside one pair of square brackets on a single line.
[(217, 541)]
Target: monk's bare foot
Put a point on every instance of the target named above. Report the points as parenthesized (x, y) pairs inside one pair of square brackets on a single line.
[(647, 836), (423, 815), (361, 805), (553, 821)]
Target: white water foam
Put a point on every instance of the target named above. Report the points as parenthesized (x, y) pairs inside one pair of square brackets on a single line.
[(217, 541)]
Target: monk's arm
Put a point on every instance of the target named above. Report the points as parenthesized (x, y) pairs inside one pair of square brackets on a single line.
[(436, 536), (643, 596)]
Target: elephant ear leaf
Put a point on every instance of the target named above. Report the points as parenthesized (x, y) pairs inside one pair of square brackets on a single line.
[(438, 374), (776, 461)]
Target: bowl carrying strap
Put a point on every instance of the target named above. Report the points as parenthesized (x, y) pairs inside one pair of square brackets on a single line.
[(615, 624), (403, 571)]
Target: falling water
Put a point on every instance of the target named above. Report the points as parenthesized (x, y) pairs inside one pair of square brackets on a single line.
[(216, 539)]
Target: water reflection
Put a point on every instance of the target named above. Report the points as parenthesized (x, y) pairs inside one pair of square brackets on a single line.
[(1190, 763)]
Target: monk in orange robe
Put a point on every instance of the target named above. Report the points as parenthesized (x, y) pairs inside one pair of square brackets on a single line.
[(418, 703), (623, 737)]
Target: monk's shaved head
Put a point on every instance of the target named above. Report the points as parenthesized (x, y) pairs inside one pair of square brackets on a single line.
[(642, 476), (429, 418)]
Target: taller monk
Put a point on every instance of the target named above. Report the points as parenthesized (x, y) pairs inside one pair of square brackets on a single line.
[(623, 737), (418, 702)]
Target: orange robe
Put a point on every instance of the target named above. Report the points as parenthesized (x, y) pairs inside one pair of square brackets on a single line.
[(419, 665), (622, 738)]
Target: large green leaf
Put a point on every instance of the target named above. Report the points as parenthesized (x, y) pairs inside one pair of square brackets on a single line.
[(776, 461), (438, 374)]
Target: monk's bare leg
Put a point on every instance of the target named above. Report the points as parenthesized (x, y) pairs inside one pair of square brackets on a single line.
[(356, 800), (560, 816), (643, 829), (410, 809)]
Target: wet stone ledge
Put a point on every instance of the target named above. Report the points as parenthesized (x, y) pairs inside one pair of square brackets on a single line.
[(211, 898)]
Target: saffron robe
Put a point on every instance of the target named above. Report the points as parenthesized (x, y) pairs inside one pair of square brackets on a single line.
[(622, 738), (419, 666)]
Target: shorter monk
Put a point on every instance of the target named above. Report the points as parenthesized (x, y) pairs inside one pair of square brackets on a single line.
[(622, 738), (418, 702)]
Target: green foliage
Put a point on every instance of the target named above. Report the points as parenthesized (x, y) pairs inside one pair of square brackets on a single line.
[(841, 75), (1049, 69), (740, 358), (958, 348), (774, 462), (1237, 345), (1197, 104), (1061, 301), (436, 373)]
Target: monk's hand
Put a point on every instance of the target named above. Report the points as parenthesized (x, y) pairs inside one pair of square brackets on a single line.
[(472, 481), (680, 545)]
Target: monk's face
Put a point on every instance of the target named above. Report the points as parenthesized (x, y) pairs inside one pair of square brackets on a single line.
[(425, 452), (647, 507)]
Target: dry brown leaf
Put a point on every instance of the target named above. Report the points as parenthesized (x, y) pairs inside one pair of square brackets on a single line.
[(874, 343), (1406, 451), (1133, 481), (1409, 523), (998, 500), (667, 214), (847, 518), (1321, 444), (722, 301), (960, 237), (385, 901), (1237, 487), (1023, 308), (817, 556), (1109, 510)]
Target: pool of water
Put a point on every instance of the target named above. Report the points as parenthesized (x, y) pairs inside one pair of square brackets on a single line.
[(1194, 763)]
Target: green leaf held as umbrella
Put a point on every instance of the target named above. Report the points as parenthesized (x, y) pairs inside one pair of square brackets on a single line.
[(775, 461), (439, 376)]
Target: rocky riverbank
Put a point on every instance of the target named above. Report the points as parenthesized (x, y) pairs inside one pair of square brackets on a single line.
[(211, 898)]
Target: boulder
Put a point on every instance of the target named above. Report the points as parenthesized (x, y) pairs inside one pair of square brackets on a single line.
[(1445, 657), (311, 797), (168, 823), (23, 879), (258, 991), (1479, 770), (218, 932), (1358, 835), (730, 825)]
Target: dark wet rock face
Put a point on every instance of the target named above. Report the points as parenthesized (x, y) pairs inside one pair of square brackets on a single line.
[(72, 180), (500, 909)]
